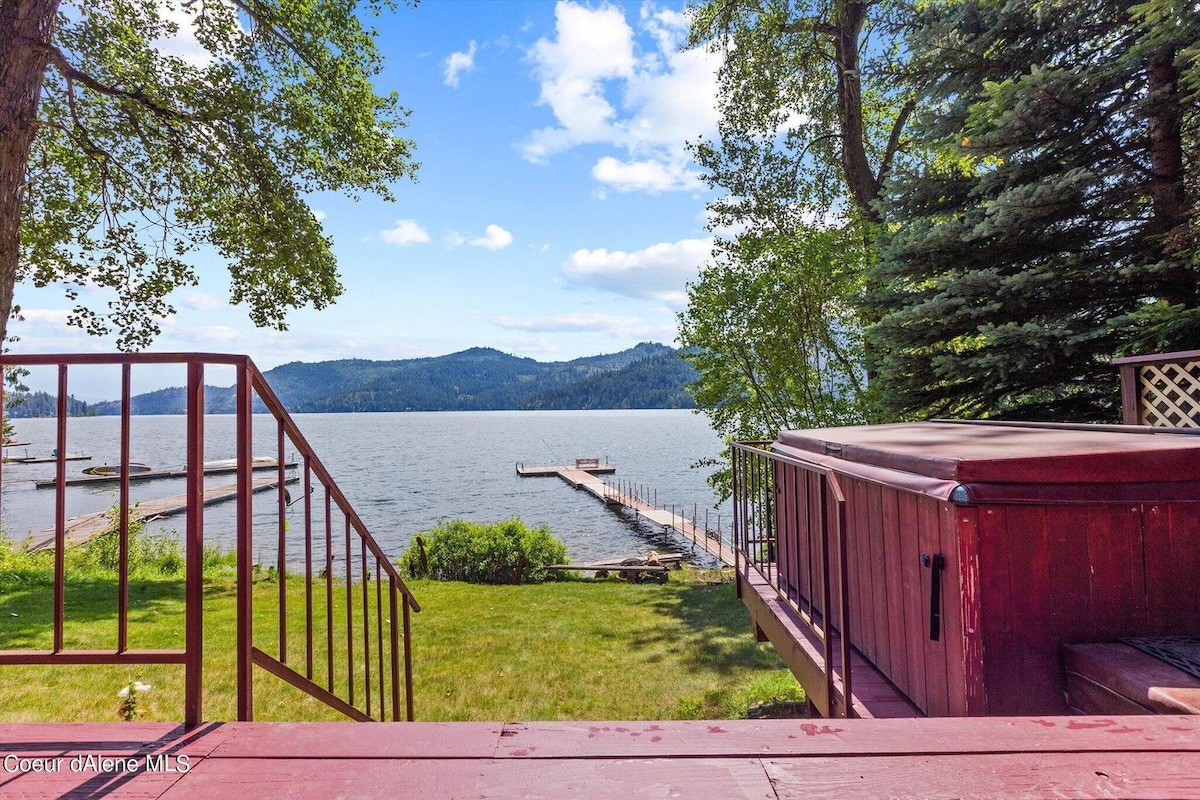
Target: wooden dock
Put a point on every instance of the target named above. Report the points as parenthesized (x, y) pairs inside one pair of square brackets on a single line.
[(28, 459), (585, 477), (86, 526), (226, 467)]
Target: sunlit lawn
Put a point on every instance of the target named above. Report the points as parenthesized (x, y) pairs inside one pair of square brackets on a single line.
[(569, 650)]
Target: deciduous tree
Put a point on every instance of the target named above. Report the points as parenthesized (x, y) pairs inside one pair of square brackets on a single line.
[(775, 341), (120, 158), (812, 123)]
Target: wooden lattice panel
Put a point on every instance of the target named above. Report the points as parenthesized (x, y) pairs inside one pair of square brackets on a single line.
[(1170, 395)]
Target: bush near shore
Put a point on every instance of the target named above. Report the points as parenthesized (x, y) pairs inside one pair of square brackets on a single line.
[(494, 552)]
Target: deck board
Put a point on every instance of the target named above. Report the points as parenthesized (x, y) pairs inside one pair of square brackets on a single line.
[(1151, 756)]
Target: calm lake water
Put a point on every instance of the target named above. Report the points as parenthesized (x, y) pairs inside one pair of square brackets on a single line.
[(402, 472)]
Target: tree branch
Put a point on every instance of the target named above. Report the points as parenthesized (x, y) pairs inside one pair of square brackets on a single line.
[(893, 145), (72, 75)]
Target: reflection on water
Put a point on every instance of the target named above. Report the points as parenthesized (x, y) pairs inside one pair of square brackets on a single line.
[(404, 471)]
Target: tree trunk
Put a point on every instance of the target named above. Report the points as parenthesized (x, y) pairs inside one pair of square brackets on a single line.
[(1168, 191), (864, 189), (25, 27)]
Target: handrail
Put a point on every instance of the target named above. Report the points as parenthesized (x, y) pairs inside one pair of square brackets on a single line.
[(380, 659), (757, 546)]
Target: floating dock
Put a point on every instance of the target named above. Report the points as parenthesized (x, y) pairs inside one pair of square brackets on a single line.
[(226, 467), (86, 526), (583, 475), (28, 459)]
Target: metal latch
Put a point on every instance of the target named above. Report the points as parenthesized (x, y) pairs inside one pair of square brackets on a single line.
[(937, 563)]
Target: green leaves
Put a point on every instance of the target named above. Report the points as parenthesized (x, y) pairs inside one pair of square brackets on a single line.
[(777, 342), (149, 149), (506, 552), (1051, 234)]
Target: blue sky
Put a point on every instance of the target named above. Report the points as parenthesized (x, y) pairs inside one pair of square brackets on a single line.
[(556, 214)]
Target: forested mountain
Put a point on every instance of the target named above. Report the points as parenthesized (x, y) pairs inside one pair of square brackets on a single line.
[(42, 404), (654, 382), (646, 376)]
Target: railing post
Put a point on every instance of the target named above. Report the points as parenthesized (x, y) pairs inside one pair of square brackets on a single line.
[(60, 511), (245, 548), (123, 523), (1130, 410), (735, 490), (826, 600), (844, 599), (194, 614)]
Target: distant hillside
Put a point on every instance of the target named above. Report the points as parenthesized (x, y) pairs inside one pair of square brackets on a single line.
[(654, 382), (42, 404), (646, 376)]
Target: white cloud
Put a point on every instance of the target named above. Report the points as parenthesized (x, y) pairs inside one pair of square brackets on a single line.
[(458, 63), (200, 301), (645, 176), (494, 238), (603, 89), (660, 272), (52, 317), (585, 323), (318, 215), (573, 323), (183, 44), (404, 232), (591, 46)]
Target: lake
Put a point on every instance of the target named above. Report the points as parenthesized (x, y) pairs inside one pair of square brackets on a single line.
[(404, 471)]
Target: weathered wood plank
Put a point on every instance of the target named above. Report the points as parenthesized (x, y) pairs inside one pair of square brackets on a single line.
[(974, 701), (881, 654), (1038, 674), (930, 543), (862, 634), (1142, 679), (1172, 564), (910, 575), (1148, 756), (1149, 775), (952, 611), (250, 779), (1117, 592), (894, 577), (336, 740)]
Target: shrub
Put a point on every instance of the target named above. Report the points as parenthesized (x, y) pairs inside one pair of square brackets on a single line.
[(151, 556), (158, 555), (496, 552)]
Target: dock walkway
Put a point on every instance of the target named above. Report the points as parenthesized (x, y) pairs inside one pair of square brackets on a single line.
[(583, 476), (86, 526), (225, 467)]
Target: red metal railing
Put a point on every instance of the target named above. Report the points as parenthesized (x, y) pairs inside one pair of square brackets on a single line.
[(373, 681), (789, 526)]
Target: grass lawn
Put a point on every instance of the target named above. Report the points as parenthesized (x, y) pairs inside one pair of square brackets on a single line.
[(561, 650)]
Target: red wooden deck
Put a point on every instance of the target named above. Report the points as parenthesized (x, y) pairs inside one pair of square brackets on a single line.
[(996, 757)]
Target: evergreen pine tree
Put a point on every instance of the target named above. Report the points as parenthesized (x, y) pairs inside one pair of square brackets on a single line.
[(1052, 232)]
